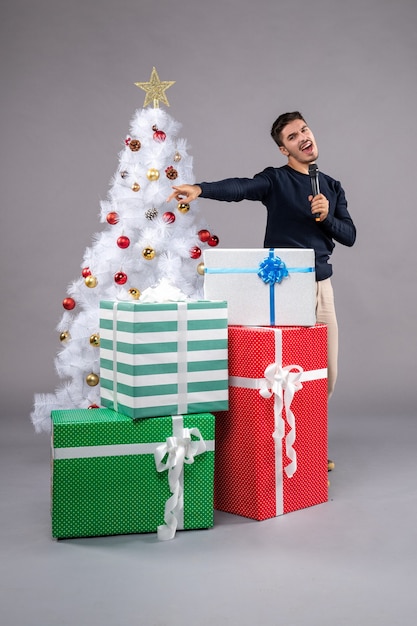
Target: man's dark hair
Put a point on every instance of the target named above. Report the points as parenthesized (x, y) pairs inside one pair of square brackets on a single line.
[(281, 122)]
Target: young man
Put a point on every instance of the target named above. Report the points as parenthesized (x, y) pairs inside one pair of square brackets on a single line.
[(295, 218)]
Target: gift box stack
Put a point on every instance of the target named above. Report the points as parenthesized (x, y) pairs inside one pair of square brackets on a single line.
[(145, 461), (271, 443), (245, 368)]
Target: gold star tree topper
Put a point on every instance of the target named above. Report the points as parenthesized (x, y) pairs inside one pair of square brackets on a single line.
[(155, 90)]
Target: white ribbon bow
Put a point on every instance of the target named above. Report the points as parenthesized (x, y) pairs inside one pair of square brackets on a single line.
[(283, 383), (178, 450)]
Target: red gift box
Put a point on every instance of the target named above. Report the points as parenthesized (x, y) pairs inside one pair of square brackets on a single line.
[(271, 445)]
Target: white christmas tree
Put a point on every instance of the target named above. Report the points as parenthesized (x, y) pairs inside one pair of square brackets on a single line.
[(144, 241)]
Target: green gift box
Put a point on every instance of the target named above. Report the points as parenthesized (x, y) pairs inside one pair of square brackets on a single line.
[(166, 358), (112, 475)]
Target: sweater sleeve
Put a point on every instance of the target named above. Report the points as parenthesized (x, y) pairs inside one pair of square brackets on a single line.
[(236, 189), (338, 224)]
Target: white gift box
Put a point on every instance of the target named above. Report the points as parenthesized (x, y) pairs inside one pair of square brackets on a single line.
[(263, 287)]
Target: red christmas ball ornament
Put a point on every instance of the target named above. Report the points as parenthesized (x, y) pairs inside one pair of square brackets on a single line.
[(68, 303), (94, 406), (112, 217), (159, 135), (120, 278), (168, 217), (86, 272), (123, 242), (195, 252), (204, 235), (213, 241)]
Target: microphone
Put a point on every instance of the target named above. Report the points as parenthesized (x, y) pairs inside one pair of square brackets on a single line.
[(313, 172)]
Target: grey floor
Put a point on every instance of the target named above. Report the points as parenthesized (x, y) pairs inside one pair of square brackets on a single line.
[(351, 561)]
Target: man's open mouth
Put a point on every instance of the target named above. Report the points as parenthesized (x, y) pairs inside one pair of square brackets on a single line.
[(307, 146)]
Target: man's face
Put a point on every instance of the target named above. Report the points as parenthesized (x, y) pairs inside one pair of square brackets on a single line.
[(298, 142)]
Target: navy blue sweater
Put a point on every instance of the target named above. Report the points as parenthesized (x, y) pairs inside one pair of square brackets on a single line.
[(290, 223)]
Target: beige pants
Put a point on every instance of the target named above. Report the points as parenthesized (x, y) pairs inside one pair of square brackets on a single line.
[(326, 314)]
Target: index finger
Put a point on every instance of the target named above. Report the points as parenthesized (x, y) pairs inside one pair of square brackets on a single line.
[(173, 194)]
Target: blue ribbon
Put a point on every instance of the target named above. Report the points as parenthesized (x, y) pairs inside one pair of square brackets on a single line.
[(271, 270)]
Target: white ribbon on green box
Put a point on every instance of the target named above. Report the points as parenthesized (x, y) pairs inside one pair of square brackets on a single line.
[(283, 383), (177, 450)]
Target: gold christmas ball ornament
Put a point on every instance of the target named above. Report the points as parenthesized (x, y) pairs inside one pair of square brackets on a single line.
[(177, 157), (95, 340), (135, 293), (200, 269), (135, 187), (91, 281), (92, 379), (152, 174), (148, 253), (64, 336), (183, 207)]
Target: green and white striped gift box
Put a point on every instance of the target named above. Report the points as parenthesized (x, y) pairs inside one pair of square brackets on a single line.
[(161, 359)]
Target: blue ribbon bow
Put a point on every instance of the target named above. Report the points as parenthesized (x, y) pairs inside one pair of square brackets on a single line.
[(272, 269)]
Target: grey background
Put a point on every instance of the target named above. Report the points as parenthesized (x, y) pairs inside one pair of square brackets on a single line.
[(67, 97)]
